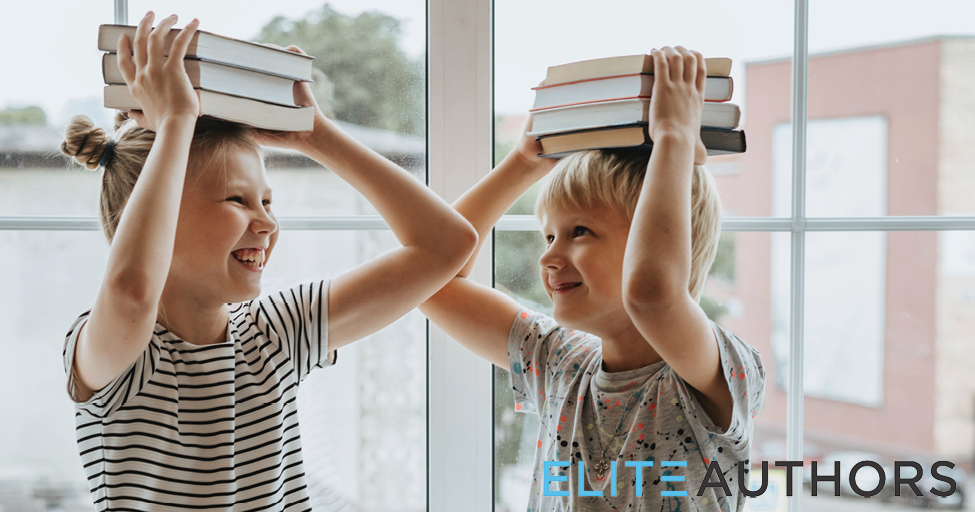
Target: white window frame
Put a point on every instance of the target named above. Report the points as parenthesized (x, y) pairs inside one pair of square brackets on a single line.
[(460, 141)]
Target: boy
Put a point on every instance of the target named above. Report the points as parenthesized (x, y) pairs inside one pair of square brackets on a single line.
[(630, 369)]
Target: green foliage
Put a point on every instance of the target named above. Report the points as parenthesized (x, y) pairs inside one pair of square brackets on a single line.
[(371, 81), (725, 261), (501, 146), (32, 115), (712, 308)]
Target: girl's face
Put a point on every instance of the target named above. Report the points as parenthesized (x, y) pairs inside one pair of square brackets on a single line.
[(225, 232), (582, 267)]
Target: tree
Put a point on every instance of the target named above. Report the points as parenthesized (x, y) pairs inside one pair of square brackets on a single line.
[(370, 80), (23, 115)]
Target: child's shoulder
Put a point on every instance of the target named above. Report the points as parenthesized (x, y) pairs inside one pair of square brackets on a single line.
[(530, 324)]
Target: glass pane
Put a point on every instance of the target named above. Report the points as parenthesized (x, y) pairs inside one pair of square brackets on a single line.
[(746, 32), (363, 421), (882, 141), (370, 77), (738, 296), (888, 361)]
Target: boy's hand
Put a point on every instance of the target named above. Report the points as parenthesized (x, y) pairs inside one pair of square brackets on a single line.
[(300, 141), (159, 84), (528, 149), (678, 97)]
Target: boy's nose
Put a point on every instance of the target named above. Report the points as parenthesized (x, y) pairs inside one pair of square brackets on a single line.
[(551, 258)]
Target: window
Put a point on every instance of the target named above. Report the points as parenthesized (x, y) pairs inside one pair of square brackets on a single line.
[(848, 255), (849, 272)]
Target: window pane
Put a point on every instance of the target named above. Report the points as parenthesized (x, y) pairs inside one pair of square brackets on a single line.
[(379, 100), (363, 421), (919, 161), (737, 296), (743, 31), (888, 357)]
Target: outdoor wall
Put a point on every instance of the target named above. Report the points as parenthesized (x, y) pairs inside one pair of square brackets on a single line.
[(857, 83), (955, 381)]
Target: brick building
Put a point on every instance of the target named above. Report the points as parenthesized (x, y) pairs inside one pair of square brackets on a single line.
[(891, 132)]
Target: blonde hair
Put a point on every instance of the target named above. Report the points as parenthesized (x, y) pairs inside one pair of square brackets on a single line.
[(88, 144), (615, 178)]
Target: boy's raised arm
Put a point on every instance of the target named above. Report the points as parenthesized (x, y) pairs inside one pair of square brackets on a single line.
[(657, 264), (478, 316)]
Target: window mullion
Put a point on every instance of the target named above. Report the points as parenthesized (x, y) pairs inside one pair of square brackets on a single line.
[(121, 12), (794, 427), (460, 385)]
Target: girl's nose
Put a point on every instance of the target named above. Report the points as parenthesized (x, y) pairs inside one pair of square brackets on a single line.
[(264, 223)]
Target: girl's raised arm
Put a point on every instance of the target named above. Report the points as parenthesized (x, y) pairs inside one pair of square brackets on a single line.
[(436, 240), (121, 322)]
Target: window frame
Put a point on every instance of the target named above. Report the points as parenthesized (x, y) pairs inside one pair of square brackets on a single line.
[(460, 467)]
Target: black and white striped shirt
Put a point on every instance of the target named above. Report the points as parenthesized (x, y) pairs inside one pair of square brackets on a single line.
[(207, 427)]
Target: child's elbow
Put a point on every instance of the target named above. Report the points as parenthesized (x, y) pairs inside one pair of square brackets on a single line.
[(647, 293), (462, 240)]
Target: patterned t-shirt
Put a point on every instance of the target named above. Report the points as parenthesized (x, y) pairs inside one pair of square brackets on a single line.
[(207, 427), (647, 414)]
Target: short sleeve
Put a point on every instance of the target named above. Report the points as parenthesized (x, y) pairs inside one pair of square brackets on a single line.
[(536, 348), (118, 392), (298, 320), (743, 371)]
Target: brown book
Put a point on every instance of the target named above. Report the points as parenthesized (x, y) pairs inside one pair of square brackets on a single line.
[(269, 116), (717, 141), (623, 65)]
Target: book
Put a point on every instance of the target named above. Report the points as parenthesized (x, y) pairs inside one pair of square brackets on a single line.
[(716, 89), (208, 46), (622, 65), (215, 77), (717, 141), (620, 112), (259, 114)]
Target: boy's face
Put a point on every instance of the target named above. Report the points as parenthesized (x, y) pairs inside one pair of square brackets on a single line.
[(225, 232), (582, 267)]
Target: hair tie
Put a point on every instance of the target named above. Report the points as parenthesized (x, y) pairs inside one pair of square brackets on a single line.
[(108, 154)]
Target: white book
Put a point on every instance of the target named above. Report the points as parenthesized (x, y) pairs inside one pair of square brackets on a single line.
[(227, 50), (216, 77), (716, 89), (259, 114), (621, 112)]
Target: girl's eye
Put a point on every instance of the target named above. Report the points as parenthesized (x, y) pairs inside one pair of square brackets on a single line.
[(580, 230), (549, 239), (266, 202), (236, 199)]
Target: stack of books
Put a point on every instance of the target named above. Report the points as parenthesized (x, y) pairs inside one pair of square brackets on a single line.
[(236, 80), (604, 103)]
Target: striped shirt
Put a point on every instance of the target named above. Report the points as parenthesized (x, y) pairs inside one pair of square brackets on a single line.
[(207, 427)]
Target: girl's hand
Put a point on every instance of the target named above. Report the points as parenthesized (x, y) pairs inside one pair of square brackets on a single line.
[(300, 141), (678, 97), (160, 84)]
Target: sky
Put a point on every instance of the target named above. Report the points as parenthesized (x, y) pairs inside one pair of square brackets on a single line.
[(61, 71)]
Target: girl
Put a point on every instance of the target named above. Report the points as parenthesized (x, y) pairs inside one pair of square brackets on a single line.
[(184, 402)]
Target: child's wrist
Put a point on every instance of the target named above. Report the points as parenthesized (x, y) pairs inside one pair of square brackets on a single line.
[(679, 138)]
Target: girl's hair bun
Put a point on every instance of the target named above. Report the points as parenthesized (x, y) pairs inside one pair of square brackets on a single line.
[(84, 142)]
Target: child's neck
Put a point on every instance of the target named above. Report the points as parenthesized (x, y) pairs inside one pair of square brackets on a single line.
[(192, 322), (627, 349)]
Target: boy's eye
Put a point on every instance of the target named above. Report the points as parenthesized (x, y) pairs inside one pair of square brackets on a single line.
[(580, 230), (549, 239), (236, 199), (266, 202)]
